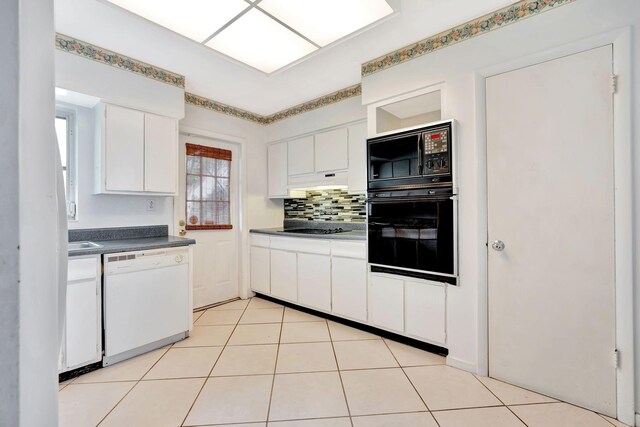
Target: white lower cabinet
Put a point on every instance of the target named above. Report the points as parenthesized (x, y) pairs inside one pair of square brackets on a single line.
[(284, 283), (386, 303), (82, 343), (314, 281), (260, 270), (332, 276), (424, 310)]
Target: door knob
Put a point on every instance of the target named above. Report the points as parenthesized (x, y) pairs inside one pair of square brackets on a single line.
[(498, 245)]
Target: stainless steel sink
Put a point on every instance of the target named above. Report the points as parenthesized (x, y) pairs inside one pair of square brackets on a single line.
[(79, 246)]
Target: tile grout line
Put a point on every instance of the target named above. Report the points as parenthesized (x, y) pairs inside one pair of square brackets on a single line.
[(499, 400), (275, 369), (409, 379), (344, 392), (134, 386), (184, 420), (603, 417)]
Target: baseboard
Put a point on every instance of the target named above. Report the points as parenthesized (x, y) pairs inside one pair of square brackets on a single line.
[(462, 364), (432, 348)]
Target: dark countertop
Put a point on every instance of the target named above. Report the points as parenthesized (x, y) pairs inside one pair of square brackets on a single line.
[(130, 245), (126, 239), (280, 231)]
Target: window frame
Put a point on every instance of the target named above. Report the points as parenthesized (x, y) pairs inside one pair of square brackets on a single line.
[(214, 153), (63, 112)]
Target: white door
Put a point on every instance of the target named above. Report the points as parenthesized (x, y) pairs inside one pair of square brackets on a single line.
[(551, 200), (216, 252)]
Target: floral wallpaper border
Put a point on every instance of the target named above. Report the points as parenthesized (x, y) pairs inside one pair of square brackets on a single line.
[(323, 101), (314, 104), (498, 19), (89, 51), (219, 107)]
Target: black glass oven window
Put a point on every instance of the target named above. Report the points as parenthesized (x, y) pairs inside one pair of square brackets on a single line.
[(412, 234), (394, 158)]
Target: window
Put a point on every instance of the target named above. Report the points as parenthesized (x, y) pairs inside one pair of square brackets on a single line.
[(208, 195), (65, 132)]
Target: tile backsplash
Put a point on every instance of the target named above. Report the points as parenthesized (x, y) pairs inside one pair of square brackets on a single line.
[(327, 205)]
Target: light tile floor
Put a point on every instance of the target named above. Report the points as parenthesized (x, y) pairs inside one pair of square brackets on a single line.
[(256, 363)]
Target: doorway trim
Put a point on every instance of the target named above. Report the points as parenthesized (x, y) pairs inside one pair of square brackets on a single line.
[(623, 204), (242, 231)]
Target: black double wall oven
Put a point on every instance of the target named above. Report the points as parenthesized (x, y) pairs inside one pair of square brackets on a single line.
[(412, 203)]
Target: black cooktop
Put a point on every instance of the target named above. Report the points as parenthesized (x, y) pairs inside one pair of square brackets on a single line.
[(314, 230)]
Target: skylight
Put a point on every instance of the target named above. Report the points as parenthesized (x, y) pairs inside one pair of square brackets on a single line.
[(264, 34)]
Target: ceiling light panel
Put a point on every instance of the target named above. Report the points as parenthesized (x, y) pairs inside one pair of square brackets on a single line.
[(325, 21), (260, 42), (195, 19)]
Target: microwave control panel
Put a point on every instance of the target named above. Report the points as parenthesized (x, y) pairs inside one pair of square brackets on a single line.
[(437, 152)]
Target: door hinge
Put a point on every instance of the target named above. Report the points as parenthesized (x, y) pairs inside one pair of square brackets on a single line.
[(616, 358), (614, 83)]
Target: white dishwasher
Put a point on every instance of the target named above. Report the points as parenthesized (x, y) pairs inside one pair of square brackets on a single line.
[(146, 301)]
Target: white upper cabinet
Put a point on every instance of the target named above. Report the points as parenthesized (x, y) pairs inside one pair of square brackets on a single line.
[(137, 152), (301, 156), (277, 170), (337, 157), (123, 135), (357, 177), (160, 154), (332, 150)]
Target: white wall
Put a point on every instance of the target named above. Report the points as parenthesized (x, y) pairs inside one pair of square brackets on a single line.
[(107, 210), (9, 211), (37, 223), (117, 86), (459, 67), (333, 115)]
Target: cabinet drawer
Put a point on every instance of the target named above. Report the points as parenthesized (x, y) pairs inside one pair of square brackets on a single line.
[(82, 268), (261, 240), (294, 244), (356, 250)]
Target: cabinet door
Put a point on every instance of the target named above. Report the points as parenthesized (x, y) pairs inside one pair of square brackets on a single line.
[(300, 156), (425, 311), (332, 150), (124, 149), (82, 323), (386, 303), (357, 177), (349, 287), (277, 169), (314, 281), (260, 271), (160, 154), (284, 283)]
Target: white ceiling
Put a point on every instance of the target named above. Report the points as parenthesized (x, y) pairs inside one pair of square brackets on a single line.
[(217, 77), (265, 34)]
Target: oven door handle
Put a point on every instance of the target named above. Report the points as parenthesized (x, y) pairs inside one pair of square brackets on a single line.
[(411, 199), (381, 224)]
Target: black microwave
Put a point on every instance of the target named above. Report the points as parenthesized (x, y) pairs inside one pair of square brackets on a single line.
[(414, 158)]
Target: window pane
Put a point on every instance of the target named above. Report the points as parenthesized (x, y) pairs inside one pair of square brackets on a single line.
[(193, 165), (61, 133), (222, 189), (193, 187), (193, 213), (223, 168), (223, 213), (208, 214), (208, 188), (208, 166)]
